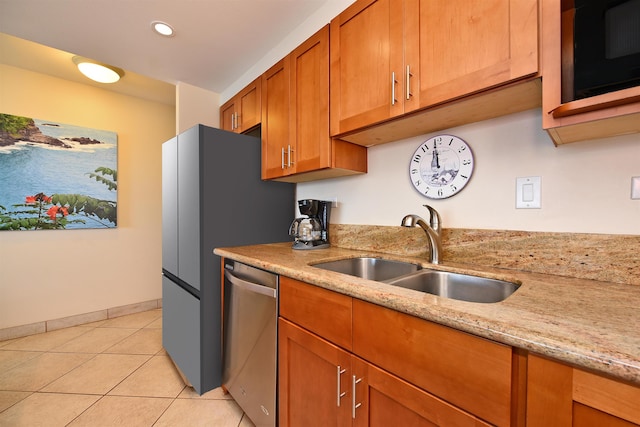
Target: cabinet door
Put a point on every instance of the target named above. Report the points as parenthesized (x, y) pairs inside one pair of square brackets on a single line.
[(472, 373), (467, 45), (366, 64), (276, 149), (313, 375), (559, 395), (228, 115), (382, 399), (310, 103), (248, 108)]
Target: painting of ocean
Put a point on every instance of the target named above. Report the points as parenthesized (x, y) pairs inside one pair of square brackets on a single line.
[(56, 176)]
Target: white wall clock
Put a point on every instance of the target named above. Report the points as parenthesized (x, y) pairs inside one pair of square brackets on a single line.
[(441, 166)]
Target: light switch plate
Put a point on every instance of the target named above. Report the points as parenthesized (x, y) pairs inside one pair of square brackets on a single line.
[(528, 192), (635, 187)]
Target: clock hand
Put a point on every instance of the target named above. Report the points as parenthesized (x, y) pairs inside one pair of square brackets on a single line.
[(435, 160)]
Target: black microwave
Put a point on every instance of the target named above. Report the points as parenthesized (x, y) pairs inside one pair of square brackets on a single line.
[(606, 46)]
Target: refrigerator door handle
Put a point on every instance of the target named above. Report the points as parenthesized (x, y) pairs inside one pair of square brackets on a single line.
[(251, 287)]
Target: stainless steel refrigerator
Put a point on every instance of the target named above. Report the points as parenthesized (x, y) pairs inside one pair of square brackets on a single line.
[(212, 196)]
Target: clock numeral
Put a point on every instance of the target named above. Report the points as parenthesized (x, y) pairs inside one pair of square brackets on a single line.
[(417, 158), (427, 190), (461, 149), (440, 192), (463, 176), (414, 171), (417, 183), (466, 162), (450, 142), (453, 188)]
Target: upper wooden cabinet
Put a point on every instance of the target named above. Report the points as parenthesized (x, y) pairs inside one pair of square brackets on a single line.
[(562, 396), (242, 112), (466, 46), (391, 58), (567, 120), (295, 119), (367, 65)]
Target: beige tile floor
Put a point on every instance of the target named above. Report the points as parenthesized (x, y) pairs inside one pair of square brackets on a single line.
[(108, 373)]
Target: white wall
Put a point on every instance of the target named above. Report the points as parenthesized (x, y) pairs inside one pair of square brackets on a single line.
[(51, 274), (322, 17), (195, 105), (585, 186)]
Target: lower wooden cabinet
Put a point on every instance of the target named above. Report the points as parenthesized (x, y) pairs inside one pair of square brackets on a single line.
[(559, 395), (344, 362), (323, 385), (309, 377)]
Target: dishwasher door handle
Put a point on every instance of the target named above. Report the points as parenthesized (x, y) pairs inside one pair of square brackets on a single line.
[(251, 287)]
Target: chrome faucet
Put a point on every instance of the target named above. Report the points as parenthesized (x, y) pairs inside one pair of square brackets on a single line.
[(433, 230)]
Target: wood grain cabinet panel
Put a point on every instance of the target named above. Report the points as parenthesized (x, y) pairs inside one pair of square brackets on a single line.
[(390, 58), (295, 125), (470, 372), (242, 112), (309, 370), (466, 46), (400, 370), (559, 395), (318, 310), (367, 63)]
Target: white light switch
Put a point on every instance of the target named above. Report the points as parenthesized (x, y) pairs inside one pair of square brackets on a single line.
[(528, 192), (635, 187)]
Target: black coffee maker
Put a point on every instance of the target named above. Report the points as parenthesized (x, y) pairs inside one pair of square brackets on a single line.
[(312, 231)]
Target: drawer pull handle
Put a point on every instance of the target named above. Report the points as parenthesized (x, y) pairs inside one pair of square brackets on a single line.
[(354, 405), (409, 75), (393, 88), (340, 393)]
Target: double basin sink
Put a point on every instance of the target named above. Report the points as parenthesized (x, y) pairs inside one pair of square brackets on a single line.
[(407, 275)]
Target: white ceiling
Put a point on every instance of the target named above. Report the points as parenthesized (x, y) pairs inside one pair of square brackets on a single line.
[(216, 41)]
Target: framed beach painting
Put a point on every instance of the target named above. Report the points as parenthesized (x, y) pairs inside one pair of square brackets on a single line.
[(56, 176)]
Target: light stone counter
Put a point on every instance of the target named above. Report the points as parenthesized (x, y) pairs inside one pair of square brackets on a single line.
[(591, 324)]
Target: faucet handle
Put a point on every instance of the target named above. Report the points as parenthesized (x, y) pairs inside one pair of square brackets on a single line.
[(434, 219)]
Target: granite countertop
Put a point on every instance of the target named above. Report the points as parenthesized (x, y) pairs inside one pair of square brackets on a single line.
[(587, 323)]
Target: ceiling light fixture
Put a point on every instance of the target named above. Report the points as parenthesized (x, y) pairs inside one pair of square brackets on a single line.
[(162, 28), (98, 71)]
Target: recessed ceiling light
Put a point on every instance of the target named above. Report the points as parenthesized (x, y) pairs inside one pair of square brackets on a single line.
[(98, 71), (162, 28)]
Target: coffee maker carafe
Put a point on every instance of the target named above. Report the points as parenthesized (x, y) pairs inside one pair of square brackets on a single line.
[(312, 231)]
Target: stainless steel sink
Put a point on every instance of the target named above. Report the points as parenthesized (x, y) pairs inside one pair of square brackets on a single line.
[(377, 269), (457, 286)]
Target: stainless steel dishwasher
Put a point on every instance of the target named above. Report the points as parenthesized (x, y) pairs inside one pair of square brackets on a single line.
[(249, 367)]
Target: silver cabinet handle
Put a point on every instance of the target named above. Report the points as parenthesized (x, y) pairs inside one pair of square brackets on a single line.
[(354, 405), (289, 151), (393, 88), (282, 157), (237, 120), (409, 75), (340, 394)]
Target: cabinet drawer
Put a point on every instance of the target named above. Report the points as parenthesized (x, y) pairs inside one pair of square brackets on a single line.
[(470, 372), (318, 310)]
